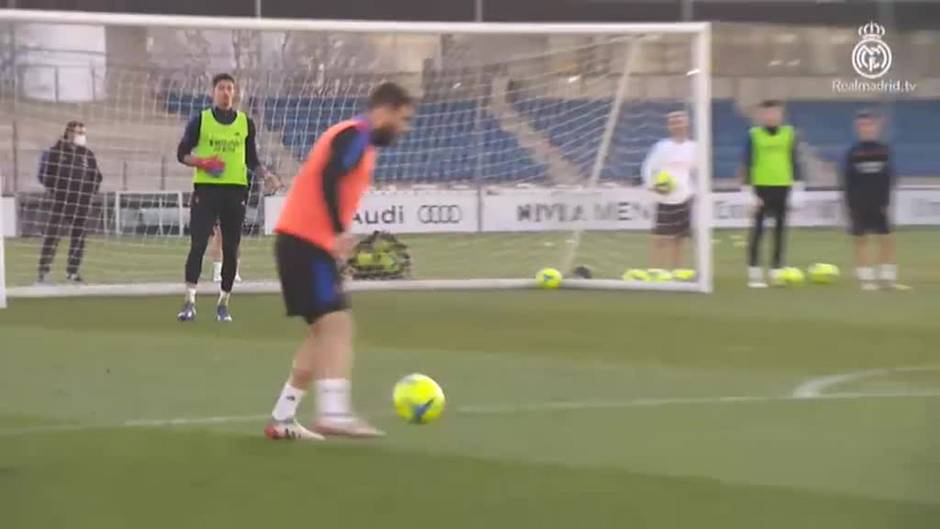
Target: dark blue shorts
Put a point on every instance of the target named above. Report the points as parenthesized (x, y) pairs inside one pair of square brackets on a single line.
[(869, 219), (310, 279)]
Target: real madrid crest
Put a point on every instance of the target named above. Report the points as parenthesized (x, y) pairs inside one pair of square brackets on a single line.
[(871, 57)]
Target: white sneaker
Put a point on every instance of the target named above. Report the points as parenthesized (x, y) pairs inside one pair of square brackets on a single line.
[(775, 277), (346, 426), (290, 429), (755, 277)]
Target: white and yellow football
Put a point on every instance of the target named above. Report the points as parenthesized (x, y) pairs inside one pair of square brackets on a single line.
[(418, 399)]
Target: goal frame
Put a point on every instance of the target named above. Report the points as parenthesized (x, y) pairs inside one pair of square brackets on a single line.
[(701, 96)]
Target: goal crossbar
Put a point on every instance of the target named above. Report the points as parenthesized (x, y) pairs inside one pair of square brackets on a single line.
[(342, 26)]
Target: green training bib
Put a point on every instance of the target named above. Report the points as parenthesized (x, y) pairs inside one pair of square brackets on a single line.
[(227, 142), (772, 157)]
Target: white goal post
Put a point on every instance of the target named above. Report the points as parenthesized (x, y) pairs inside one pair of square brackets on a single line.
[(525, 152)]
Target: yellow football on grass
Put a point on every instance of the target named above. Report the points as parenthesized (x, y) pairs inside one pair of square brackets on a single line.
[(418, 399), (548, 278), (636, 274), (659, 275), (823, 273)]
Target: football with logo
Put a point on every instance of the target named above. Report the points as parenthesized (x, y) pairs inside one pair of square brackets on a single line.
[(418, 399)]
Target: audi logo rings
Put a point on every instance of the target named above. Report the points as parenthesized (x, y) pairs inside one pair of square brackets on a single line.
[(440, 214)]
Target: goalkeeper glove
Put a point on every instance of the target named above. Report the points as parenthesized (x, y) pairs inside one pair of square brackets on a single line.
[(755, 201), (213, 166), (798, 200)]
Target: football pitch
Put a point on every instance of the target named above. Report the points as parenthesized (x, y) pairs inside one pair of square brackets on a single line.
[(814, 407)]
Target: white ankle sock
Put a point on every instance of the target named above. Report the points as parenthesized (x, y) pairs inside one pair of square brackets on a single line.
[(286, 406), (333, 397), (190, 294), (865, 274), (224, 297), (755, 274), (889, 272)]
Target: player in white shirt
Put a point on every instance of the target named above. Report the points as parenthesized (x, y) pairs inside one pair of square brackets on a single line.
[(667, 172)]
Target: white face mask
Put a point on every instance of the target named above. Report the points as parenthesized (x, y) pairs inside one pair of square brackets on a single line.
[(80, 140)]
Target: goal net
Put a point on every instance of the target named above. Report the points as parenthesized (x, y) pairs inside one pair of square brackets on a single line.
[(526, 152)]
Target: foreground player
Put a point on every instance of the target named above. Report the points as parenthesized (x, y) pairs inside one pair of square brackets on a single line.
[(772, 170), (312, 235), (867, 180), (674, 157)]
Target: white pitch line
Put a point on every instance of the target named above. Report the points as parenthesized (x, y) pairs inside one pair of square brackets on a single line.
[(493, 410), (817, 386), (184, 421)]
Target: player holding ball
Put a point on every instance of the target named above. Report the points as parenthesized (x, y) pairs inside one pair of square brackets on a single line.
[(219, 144), (668, 171)]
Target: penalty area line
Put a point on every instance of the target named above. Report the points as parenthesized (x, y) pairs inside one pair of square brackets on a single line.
[(497, 409)]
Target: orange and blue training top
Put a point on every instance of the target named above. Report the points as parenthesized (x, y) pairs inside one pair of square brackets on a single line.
[(326, 192)]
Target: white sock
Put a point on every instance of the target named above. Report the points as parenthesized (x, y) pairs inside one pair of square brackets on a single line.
[(224, 297), (191, 294), (889, 272), (755, 273), (217, 269), (333, 397), (865, 274), (286, 406)]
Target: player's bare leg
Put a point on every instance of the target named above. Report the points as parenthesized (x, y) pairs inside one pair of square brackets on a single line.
[(215, 253), (863, 265), (333, 359), (676, 246), (283, 424), (659, 251), (324, 359), (888, 273)]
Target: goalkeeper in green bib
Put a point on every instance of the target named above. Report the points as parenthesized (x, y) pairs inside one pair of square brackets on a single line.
[(772, 171), (219, 144)]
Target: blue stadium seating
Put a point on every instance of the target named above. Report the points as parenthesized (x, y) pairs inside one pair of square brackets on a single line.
[(449, 142), (456, 141), (574, 127)]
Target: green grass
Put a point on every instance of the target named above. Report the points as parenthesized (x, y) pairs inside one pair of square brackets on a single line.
[(549, 424), (494, 255)]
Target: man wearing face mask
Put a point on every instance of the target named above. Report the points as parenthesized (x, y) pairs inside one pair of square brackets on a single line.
[(70, 174), (312, 236)]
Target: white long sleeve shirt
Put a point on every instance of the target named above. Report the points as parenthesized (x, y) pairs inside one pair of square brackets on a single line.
[(679, 160)]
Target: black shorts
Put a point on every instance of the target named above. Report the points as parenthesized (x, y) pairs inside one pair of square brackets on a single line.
[(775, 199), (674, 220), (869, 219), (310, 279), (214, 205)]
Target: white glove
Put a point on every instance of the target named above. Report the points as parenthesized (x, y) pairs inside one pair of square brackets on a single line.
[(753, 200), (798, 195)]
